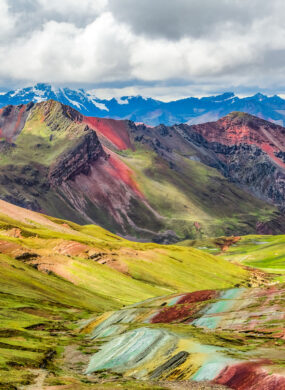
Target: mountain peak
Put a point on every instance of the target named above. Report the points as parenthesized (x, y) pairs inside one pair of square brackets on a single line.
[(253, 122), (225, 96), (151, 111), (239, 114), (259, 96), (42, 86)]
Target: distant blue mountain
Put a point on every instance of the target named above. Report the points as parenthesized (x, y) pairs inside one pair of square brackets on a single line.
[(150, 111)]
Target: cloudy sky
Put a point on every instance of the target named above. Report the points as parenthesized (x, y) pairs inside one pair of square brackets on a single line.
[(160, 48)]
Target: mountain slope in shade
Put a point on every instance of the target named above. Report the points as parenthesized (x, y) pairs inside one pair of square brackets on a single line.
[(162, 183), (151, 111)]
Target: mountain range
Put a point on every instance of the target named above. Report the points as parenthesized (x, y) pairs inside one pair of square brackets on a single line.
[(151, 111), (163, 183), (91, 296)]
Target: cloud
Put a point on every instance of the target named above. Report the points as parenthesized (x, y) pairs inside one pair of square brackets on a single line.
[(169, 46), (62, 52), (183, 18), (39, 12), (7, 20)]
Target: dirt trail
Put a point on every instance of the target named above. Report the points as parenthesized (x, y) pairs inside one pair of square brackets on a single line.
[(39, 381)]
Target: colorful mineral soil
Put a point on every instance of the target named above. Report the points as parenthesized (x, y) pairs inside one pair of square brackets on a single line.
[(228, 337), (120, 171), (157, 184), (55, 273), (239, 128), (251, 376), (114, 131)]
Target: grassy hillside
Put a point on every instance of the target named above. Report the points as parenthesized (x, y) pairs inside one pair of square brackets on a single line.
[(264, 252), (141, 184), (54, 273), (195, 201)]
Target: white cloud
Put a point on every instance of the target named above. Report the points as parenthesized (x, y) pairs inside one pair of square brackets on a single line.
[(211, 45), (7, 20), (62, 52)]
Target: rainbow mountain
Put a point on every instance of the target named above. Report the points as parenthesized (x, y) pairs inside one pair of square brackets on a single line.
[(163, 184)]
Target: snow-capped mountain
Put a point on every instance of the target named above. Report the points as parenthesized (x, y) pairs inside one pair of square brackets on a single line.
[(150, 111)]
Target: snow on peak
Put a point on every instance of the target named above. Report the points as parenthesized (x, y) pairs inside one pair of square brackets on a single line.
[(123, 100)]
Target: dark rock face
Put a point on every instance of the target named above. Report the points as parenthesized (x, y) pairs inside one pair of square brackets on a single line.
[(22, 201), (12, 120), (71, 113), (280, 155), (165, 238), (25, 186), (247, 150), (251, 167), (77, 160)]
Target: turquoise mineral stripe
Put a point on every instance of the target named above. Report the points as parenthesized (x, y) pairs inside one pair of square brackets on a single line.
[(224, 304), (129, 350), (209, 370)]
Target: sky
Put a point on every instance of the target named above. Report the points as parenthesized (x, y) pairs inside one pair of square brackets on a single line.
[(164, 49)]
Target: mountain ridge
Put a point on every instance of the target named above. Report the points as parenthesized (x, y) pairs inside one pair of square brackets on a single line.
[(160, 183), (151, 111)]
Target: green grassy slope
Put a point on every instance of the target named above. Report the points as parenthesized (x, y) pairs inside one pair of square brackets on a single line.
[(195, 193), (46, 134), (54, 273), (264, 252)]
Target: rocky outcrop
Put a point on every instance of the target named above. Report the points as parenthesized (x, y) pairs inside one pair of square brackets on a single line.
[(77, 159), (247, 150), (250, 151), (12, 120)]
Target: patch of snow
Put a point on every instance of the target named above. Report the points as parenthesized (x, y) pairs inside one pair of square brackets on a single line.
[(16, 92), (73, 102), (92, 98), (121, 101), (39, 99), (224, 100), (80, 94), (76, 104), (38, 92), (101, 106), (55, 90)]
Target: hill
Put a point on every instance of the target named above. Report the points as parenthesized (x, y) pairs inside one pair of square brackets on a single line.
[(54, 273), (163, 184)]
